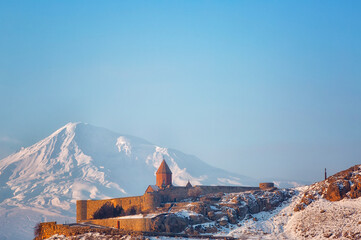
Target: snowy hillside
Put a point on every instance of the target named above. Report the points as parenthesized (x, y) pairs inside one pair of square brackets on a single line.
[(320, 220), (80, 161)]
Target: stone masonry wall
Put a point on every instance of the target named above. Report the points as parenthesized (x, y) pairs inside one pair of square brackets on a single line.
[(130, 224), (48, 229), (81, 210), (225, 189), (179, 193), (266, 185), (86, 208)]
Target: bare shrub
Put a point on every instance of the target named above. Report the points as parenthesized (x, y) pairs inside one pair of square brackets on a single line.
[(132, 211), (37, 230)]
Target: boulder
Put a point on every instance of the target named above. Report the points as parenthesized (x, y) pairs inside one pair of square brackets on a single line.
[(242, 211), (169, 223), (337, 190), (223, 221), (197, 219), (157, 224), (199, 207), (355, 191), (211, 215), (333, 192), (231, 214), (218, 215), (175, 224)]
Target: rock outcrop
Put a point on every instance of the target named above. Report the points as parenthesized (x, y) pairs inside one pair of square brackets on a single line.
[(169, 223), (344, 184), (212, 211)]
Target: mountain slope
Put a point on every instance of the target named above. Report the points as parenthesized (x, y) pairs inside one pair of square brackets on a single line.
[(329, 209), (80, 161)]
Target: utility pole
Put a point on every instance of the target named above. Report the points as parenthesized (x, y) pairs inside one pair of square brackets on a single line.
[(325, 174)]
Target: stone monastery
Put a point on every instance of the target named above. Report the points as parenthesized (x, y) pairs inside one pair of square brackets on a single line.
[(154, 197)]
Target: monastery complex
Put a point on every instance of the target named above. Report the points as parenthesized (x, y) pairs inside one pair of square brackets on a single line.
[(155, 196)]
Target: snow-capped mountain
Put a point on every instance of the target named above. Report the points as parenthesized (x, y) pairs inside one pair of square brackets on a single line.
[(80, 161)]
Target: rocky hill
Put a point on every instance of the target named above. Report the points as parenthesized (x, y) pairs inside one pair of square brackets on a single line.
[(213, 212), (344, 184)]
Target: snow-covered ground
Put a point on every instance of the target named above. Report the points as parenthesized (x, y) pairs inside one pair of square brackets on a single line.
[(322, 219)]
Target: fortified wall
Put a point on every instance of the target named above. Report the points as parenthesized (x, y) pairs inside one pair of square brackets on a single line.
[(85, 209), (151, 200), (174, 194), (154, 196), (131, 224)]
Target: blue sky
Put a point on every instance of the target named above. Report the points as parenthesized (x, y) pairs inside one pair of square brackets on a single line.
[(262, 88)]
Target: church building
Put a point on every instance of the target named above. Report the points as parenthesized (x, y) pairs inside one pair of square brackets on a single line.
[(163, 178), (164, 175)]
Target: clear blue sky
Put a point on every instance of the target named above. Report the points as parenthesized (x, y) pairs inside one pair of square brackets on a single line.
[(262, 88)]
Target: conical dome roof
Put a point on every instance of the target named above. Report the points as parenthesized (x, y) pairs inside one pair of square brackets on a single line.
[(163, 168)]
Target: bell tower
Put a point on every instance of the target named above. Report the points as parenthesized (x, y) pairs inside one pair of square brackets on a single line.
[(164, 175)]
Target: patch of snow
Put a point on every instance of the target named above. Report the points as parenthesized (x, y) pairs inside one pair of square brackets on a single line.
[(186, 213), (130, 216), (324, 218), (123, 145)]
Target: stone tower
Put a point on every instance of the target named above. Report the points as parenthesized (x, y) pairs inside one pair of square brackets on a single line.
[(164, 175)]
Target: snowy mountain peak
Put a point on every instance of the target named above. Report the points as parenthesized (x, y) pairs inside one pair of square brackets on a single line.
[(81, 161), (69, 127)]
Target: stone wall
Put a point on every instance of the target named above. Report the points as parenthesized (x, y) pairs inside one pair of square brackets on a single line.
[(224, 189), (74, 231), (48, 229), (266, 185), (130, 224), (81, 210), (175, 194), (86, 208), (149, 201)]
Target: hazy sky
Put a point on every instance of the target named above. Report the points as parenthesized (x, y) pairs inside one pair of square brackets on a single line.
[(261, 88)]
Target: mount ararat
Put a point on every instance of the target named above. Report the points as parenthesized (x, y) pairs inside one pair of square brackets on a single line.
[(81, 161)]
